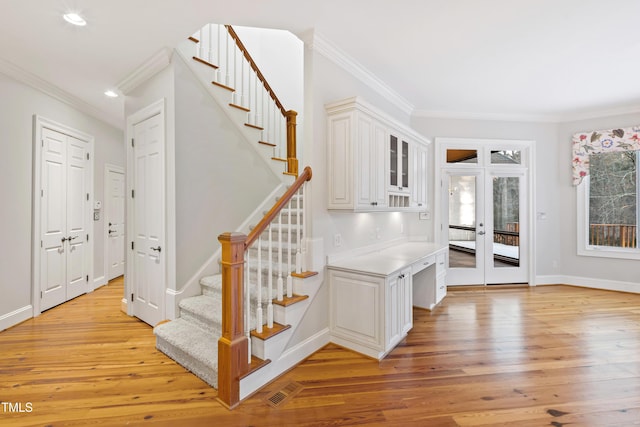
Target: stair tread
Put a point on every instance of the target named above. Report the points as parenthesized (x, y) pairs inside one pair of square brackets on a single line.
[(206, 306), (190, 339)]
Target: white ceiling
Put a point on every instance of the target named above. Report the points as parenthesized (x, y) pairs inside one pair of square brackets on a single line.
[(520, 59)]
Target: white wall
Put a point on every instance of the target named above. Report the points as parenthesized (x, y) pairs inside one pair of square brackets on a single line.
[(18, 104)]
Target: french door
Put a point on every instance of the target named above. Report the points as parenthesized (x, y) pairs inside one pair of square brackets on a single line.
[(485, 217)]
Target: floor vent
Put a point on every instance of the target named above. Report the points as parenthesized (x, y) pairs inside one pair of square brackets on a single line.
[(279, 398)]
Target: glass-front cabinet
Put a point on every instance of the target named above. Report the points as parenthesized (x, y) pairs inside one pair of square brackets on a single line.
[(374, 163)]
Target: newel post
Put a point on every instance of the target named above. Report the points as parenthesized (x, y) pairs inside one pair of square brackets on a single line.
[(292, 159), (232, 346)]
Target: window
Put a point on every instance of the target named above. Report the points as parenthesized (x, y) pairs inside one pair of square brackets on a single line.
[(609, 200)]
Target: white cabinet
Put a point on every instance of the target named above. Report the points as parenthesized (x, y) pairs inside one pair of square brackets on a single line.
[(419, 177), (370, 314), (372, 294), (369, 159)]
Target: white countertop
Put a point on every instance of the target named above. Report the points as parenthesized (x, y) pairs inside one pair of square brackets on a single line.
[(388, 260)]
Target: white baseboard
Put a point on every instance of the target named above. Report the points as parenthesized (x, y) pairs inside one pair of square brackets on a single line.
[(587, 282), (20, 315), (123, 305), (99, 281), (287, 360)]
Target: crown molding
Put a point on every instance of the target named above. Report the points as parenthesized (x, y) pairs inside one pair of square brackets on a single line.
[(324, 47), (505, 117), (537, 118), (23, 76), (149, 68)]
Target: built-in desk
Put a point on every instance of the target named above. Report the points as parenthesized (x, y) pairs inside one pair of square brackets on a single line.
[(372, 294)]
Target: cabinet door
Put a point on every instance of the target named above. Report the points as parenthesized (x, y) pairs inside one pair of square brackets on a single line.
[(378, 169), (398, 164), (418, 176), (364, 152), (340, 164), (370, 164), (394, 312), (406, 292)]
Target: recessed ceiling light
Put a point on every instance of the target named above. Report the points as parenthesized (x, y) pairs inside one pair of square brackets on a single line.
[(111, 94), (75, 19)]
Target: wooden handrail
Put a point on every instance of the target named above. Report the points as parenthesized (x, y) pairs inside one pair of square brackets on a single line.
[(264, 223), (233, 345), (289, 115), (255, 68)]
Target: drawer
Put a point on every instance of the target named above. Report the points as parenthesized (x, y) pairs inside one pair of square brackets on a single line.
[(418, 266)]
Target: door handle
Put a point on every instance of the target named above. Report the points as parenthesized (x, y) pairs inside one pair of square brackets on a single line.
[(72, 238), (158, 249), (111, 231)]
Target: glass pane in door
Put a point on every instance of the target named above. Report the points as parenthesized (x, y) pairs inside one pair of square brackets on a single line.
[(506, 221), (393, 160), (405, 164), (462, 221)]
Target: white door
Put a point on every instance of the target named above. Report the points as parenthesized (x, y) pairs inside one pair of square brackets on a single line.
[(484, 199), (464, 225), (148, 281), (64, 263), (115, 220)]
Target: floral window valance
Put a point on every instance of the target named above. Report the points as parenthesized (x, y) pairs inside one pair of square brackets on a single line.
[(601, 141)]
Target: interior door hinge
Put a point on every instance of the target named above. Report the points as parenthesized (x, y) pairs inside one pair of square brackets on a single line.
[(87, 278), (42, 141), (132, 245), (41, 193), (40, 294), (133, 194), (40, 243), (87, 196), (87, 237), (87, 156), (133, 144), (131, 296)]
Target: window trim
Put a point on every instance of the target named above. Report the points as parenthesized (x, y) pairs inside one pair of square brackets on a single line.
[(584, 248)]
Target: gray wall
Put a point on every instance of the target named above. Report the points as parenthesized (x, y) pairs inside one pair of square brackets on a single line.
[(220, 177), (547, 176), (582, 266), (18, 104)]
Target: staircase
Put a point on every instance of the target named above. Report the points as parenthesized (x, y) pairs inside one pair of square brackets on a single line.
[(273, 256)]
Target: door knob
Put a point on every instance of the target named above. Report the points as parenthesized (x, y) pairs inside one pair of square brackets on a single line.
[(481, 233), (158, 249)]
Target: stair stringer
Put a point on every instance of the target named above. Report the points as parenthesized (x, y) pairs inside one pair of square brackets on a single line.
[(205, 75), (212, 265), (283, 357)]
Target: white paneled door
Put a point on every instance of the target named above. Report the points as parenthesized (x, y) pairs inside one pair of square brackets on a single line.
[(64, 224), (115, 223), (149, 251)]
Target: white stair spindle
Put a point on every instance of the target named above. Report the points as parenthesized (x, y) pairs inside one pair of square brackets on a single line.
[(289, 254), (259, 290), (280, 285), (299, 230), (302, 225), (270, 281), (247, 303)]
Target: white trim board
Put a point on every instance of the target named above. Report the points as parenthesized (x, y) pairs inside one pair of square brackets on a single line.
[(16, 316), (588, 282)]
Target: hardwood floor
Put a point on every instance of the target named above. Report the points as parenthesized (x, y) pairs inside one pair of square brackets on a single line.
[(546, 356)]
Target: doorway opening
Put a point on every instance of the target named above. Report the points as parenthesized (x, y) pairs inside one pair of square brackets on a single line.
[(485, 210)]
